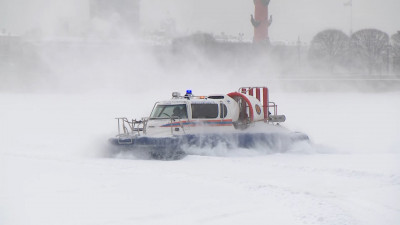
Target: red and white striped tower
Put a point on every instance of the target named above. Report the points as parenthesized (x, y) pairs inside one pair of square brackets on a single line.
[(260, 21)]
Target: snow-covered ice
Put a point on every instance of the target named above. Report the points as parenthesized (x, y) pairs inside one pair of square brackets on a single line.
[(52, 170)]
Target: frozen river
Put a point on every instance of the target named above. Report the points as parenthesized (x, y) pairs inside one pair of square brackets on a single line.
[(52, 170)]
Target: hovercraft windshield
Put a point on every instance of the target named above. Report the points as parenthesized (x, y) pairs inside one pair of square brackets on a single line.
[(169, 111)]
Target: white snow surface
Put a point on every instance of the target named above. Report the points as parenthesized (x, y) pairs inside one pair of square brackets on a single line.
[(52, 170)]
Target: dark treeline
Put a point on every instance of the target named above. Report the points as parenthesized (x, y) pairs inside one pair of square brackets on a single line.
[(368, 51)]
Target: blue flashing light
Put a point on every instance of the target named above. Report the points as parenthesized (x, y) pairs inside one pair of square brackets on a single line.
[(188, 92)]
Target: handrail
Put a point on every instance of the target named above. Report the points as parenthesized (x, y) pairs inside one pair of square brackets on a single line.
[(126, 127), (275, 106), (172, 119)]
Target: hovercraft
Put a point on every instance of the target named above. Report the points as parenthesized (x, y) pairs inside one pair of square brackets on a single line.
[(188, 121)]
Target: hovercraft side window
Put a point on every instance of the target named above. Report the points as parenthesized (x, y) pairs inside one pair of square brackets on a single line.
[(204, 111), (223, 110), (169, 111)]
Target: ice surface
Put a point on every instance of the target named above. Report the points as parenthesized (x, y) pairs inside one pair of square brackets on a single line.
[(52, 172)]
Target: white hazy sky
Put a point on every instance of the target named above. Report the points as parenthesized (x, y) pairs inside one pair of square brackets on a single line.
[(292, 18)]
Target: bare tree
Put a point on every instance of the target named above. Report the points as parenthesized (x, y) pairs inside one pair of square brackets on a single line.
[(369, 50), (396, 52), (396, 39), (328, 49)]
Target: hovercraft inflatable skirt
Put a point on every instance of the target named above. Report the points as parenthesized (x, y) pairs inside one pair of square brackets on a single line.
[(173, 148)]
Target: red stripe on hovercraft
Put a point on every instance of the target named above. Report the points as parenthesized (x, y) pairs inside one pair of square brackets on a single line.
[(197, 123)]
